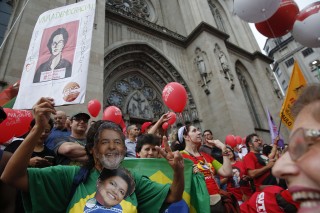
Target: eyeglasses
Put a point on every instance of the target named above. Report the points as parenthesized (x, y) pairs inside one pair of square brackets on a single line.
[(301, 140), (57, 43), (85, 120)]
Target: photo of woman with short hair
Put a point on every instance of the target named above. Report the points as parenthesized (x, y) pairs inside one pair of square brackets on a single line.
[(112, 187), (56, 67)]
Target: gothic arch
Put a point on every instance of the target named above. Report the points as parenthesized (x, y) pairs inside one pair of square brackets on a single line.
[(221, 18), (250, 93), (134, 77)]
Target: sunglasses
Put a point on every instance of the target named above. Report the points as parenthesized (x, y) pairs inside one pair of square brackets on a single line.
[(301, 140), (80, 119)]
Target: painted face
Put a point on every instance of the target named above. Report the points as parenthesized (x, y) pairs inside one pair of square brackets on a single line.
[(109, 151), (194, 135), (300, 165), (111, 191), (57, 44), (257, 144), (148, 151)]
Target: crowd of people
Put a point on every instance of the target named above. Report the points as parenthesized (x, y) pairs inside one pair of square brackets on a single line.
[(69, 164)]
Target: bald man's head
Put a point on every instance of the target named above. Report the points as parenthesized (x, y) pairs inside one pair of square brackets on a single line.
[(60, 120)]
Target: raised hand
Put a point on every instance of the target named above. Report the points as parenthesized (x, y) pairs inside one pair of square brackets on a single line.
[(217, 143), (42, 111), (174, 158)]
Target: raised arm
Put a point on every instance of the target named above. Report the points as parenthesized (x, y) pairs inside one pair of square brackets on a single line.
[(15, 172), (158, 124), (177, 164), (226, 169)]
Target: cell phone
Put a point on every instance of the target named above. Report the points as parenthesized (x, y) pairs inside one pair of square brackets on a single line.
[(49, 158)]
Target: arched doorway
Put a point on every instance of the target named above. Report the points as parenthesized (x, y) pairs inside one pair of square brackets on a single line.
[(134, 77)]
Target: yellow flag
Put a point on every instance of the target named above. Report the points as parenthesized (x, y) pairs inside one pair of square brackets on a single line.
[(297, 82)]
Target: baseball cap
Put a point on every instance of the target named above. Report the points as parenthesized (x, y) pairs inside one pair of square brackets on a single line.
[(80, 114), (145, 126)]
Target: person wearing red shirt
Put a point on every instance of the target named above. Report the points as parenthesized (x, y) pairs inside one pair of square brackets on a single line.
[(273, 199), (257, 165), (239, 183), (205, 164)]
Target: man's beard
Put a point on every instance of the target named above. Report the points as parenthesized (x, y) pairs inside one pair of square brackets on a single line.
[(258, 149), (111, 162)]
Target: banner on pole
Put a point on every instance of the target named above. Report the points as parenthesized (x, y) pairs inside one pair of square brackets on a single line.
[(274, 130), (297, 82), (58, 57)]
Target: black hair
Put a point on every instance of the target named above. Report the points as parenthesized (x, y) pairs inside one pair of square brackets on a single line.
[(147, 139), (230, 148), (3, 114), (58, 31), (249, 140), (207, 130), (266, 150), (121, 172)]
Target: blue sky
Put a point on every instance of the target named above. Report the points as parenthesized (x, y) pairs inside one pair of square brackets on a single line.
[(261, 39)]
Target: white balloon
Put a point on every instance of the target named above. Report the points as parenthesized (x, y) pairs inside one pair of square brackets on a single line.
[(306, 28), (255, 11)]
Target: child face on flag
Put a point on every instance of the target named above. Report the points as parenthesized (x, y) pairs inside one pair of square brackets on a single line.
[(111, 191), (300, 165)]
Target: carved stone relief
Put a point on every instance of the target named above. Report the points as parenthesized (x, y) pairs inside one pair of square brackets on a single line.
[(134, 78), (224, 65)]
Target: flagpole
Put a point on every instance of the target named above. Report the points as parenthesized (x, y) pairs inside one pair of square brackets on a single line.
[(280, 125)]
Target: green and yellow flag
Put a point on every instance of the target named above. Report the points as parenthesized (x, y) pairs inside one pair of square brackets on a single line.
[(297, 82), (195, 195)]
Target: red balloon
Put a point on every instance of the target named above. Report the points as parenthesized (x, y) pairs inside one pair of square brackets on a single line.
[(112, 113), (238, 140), (94, 107), (23, 120), (231, 141), (7, 127), (165, 125), (174, 96), (122, 123), (281, 22), (173, 118), (244, 140)]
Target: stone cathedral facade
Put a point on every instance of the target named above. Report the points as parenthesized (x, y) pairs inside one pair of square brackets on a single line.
[(141, 45)]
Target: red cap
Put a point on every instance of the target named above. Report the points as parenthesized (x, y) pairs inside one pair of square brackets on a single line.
[(145, 126)]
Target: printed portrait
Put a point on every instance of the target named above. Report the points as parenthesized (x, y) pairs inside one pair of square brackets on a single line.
[(56, 52)]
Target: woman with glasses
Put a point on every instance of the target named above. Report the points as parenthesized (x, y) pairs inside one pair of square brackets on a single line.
[(300, 165), (56, 66)]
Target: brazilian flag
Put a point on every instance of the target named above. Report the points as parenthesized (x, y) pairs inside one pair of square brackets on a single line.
[(195, 196)]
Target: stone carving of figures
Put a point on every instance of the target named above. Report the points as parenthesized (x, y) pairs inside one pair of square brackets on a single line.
[(224, 64), (200, 64)]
